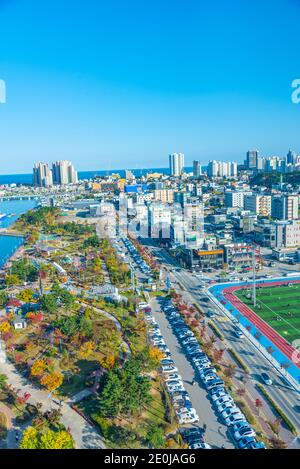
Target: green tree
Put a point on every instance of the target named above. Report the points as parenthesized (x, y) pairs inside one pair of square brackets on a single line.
[(155, 437), (49, 303)]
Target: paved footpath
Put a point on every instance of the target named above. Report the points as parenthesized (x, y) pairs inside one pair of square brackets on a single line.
[(84, 434)]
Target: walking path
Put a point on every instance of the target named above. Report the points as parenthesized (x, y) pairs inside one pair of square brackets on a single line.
[(84, 434)]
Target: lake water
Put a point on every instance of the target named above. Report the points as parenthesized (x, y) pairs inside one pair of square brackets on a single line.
[(9, 244)]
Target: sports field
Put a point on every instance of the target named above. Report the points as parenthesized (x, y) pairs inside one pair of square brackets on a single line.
[(279, 306)]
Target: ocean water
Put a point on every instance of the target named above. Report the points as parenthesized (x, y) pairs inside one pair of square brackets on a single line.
[(27, 178), (9, 244)]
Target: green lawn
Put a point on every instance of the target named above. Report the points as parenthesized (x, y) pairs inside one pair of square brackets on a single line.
[(279, 307)]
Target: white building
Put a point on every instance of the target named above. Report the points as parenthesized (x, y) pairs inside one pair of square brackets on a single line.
[(221, 169), (235, 198), (258, 204), (159, 220), (64, 173), (42, 175), (176, 164)]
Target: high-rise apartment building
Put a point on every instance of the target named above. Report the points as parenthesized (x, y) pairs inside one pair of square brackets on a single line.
[(64, 173), (42, 175), (221, 169), (251, 159), (176, 164)]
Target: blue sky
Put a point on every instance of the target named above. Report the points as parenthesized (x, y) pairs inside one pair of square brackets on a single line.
[(122, 84)]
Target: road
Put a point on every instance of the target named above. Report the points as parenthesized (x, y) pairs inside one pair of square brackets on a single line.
[(286, 397), (217, 434)]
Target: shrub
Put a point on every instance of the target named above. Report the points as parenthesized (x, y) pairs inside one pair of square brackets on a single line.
[(238, 360), (103, 424), (216, 330)]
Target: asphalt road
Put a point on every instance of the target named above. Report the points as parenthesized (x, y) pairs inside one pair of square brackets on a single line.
[(217, 434)]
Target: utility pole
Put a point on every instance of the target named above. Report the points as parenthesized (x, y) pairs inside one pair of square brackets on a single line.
[(254, 277)]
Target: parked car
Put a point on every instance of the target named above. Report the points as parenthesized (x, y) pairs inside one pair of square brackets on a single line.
[(266, 378), (256, 445), (234, 419), (230, 411), (244, 442), (218, 394), (217, 382), (169, 369), (200, 446), (244, 432)]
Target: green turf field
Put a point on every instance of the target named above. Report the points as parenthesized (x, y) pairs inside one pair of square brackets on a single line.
[(279, 307)]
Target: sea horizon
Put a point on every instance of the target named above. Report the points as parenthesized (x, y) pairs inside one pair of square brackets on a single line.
[(26, 178)]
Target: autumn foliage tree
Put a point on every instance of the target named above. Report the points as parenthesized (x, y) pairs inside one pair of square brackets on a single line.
[(38, 368), (52, 381), (86, 350), (108, 362)]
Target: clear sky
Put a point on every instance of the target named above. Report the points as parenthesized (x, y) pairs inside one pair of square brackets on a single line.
[(115, 84)]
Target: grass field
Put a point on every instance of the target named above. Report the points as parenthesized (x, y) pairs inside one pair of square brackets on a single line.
[(279, 307)]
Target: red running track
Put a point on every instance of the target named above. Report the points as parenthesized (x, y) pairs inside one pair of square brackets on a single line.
[(287, 349)]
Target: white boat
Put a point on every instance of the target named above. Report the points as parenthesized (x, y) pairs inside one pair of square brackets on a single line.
[(2, 216)]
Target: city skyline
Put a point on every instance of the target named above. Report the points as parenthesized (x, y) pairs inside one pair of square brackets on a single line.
[(129, 92)]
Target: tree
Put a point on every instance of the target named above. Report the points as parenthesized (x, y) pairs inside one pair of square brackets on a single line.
[(12, 280), (125, 391), (5, 327), (29, 439), (277, 443), (52, 381), (56, 440), (108, 362), (86, 350), (241, 392), (38, 368), (258, 404), (3, 381), (3, 299), (49, 303), (155, 437), (26, 295), (50, 439), (155, 355)]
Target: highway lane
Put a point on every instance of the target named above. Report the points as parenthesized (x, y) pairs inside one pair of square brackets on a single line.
[(287, 398)]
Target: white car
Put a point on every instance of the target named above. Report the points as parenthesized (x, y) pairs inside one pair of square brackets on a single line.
[(210, 377), (199, 446), (218, 395), (225, 406), (203, 366), (188, 417), (231, 411), (234, 418), (223, 399), (207, 372), (176, 388), (174, 382)]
